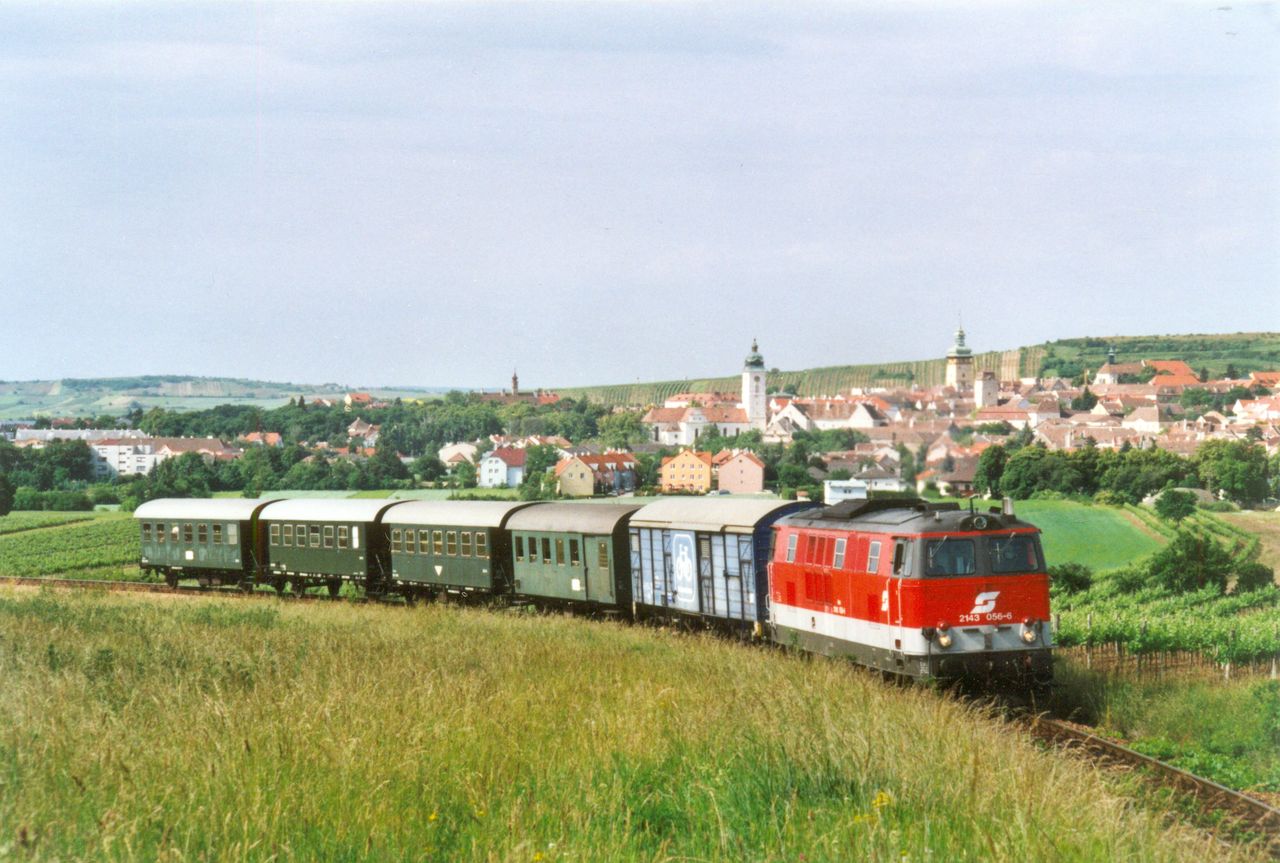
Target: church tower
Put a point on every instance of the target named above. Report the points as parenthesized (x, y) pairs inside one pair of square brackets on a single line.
[(754, 400), (960, 364), (515, 383)]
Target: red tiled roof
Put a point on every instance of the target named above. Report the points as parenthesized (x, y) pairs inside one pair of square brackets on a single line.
[(511, 456)]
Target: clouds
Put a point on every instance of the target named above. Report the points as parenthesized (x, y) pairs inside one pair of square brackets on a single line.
[(430, 193)]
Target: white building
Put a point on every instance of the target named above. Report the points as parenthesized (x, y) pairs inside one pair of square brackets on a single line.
[(502, 468)]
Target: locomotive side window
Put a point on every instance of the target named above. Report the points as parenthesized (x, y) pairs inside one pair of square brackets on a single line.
[(902, 558), (873, 556), (1014, 554), (950, 557), (838, 561), (791, 547)]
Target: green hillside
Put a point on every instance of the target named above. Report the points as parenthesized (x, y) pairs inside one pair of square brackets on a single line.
[(1246, 351), (1100, 537)]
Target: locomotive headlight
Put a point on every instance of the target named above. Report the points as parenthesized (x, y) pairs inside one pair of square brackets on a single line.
[(1030, 631), (944, 637)]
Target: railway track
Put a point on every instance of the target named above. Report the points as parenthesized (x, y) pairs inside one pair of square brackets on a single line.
[(1248, 813), (1244, 811)]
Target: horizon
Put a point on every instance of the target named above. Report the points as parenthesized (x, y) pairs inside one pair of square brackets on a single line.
[(622, 192)]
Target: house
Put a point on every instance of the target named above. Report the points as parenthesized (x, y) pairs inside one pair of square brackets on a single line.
[(741, 473), (1145, 420), (465, 451), (502, 468), (688, 470), (881, 479), (264, 438), (584, 475), (351, 400), (366, 432), (1270, 380)]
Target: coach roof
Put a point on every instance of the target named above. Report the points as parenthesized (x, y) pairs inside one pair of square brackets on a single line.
[(328, 509), (592, 518), (200, 509), (697, 513), (462, 513)]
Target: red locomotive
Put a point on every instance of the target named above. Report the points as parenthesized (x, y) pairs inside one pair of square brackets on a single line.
[(918, 589)]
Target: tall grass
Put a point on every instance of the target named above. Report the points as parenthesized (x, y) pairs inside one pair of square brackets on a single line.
[(141, 728)]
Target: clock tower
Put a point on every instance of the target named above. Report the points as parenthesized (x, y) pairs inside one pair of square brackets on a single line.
[(754, 400)]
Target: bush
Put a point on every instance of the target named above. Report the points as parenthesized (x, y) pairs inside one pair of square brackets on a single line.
[(1220, 506), (1110, 498), (1070, 577), (1253, 576), (1191, 561)]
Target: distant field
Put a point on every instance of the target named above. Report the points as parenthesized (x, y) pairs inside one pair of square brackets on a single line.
[(1266, 525), (19, 521), (144, 728), (1100, 537)]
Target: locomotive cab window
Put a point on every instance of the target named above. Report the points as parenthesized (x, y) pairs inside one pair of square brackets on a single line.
[(902, 557), (873, 556), (1014, 553), (951, 557), (792, 540)]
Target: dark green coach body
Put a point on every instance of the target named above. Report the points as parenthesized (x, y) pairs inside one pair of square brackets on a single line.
[(314, 540), (572, 552), (217, 540), (457, 545)]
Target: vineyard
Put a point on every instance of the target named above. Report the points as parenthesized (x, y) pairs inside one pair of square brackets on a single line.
[(15, 522), (102, 547)]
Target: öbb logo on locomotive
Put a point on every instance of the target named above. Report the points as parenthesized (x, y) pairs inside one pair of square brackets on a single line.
[(905, 586)]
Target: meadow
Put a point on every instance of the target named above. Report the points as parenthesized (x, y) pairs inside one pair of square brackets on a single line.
[(74, 545), (1100, 537), (163, 729)]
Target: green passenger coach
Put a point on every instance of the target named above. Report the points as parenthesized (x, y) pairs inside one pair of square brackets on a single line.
[(458, 546), (572, 553), (316, 541), (214, 541)]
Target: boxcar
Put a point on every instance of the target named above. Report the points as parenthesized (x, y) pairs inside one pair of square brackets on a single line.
[(215, 541), (316, 541), (573, 553), (705, 558), (458, 546)]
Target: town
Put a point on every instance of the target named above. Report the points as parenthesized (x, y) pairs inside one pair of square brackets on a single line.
[(850, 444)]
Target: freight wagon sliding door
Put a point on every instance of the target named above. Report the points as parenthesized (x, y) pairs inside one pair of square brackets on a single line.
[(728, 586)]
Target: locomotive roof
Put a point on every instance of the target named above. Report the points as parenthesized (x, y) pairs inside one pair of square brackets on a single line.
[(696, 513), (328, 509), (463, 513), (909, 515), (594, 518), (199, 509)]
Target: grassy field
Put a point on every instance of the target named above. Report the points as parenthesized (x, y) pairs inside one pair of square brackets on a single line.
[(1264, 525), (16, 522), (148, 728)]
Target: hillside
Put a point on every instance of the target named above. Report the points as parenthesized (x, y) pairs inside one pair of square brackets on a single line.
[(71, 397), (1246, 351), (153, 728)]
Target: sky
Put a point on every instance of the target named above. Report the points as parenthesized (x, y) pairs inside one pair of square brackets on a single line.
[(434, 194)]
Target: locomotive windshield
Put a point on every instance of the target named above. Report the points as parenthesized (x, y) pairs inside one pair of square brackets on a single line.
[(950, 557), (1014, 553)]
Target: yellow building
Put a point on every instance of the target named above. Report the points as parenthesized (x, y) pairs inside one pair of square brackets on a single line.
[(689, 470)]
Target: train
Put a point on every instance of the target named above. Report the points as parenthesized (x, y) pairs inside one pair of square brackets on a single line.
[(912, 588)]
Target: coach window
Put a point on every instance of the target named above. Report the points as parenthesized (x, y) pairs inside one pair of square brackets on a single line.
[(301, 532), (838, 561), (466, 543), (546, 549), (451, 543), (344, 536), (950, 557), (574, 558), (287, 536), (395, 539), (233, 533), (559, 552), (315, 535), (186, 532), (424, 541), (792, 540), (901, 558), (275, 534), (602, 555), (873, 557), (408, 542), (202, 533), (328, 536), (437, 542), (482, 543), (146, 531), (217, 534), (520, 548), (160, 531)]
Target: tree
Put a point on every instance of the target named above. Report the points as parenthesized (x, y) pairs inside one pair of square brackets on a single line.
[(1175, 505), (1085, 401), (1237, 468), (1191, 561), (428, 468), (990, 469), (537, 461), (6, 495)]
